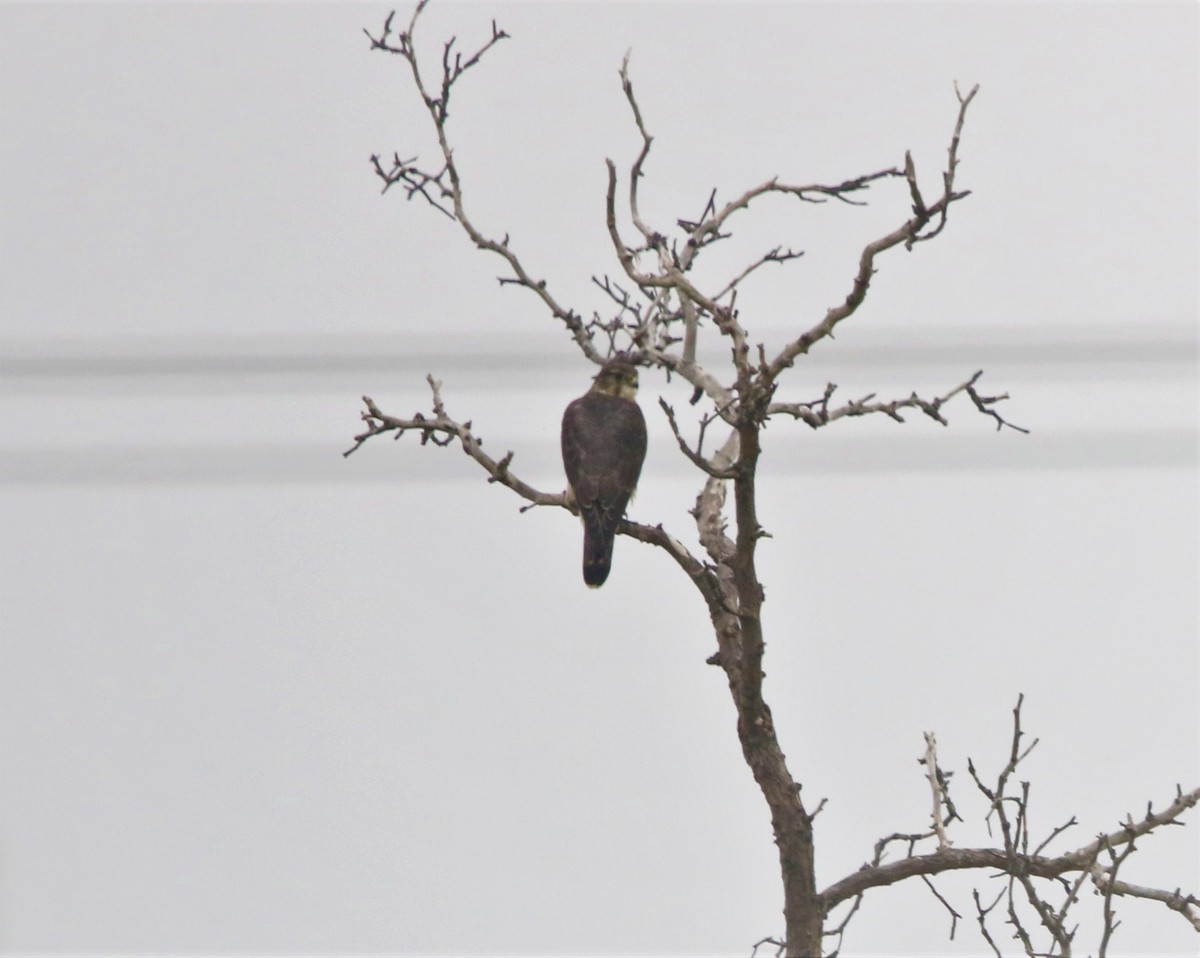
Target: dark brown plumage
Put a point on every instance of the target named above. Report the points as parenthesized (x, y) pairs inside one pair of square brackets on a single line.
[(603, 445)]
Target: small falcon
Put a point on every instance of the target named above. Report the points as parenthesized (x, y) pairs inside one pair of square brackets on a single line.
[(603, 445)]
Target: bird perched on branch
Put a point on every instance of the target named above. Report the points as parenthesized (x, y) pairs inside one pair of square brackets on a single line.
[(603, 445)]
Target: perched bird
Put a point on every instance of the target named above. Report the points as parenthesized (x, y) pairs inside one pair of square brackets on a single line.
[(603, 445)]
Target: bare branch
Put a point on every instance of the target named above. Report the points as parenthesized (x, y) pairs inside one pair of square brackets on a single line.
[(1131, 830), (840, 928), (1105, 884), (817, 412), (454, 66), (1023, 868), (449, 199), (1054, 834), (908, 232), (938, 781), (441, 430), (952, 859), (694, 455), (981, 914), (779, 946), (672, 265), (776, 255), (708, 229), (954, 915), (984, 405), (1186, 905), (652, 239)]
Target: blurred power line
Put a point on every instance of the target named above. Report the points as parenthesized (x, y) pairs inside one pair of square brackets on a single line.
[(537, 461), (250, 363), (107, 370)]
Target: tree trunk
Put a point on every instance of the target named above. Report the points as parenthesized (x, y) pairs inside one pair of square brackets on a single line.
[(790, 821)]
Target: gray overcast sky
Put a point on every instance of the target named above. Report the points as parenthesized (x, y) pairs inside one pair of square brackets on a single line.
[(255, 698)]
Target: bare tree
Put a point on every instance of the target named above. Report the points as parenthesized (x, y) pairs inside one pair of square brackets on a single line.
[(658, 313)]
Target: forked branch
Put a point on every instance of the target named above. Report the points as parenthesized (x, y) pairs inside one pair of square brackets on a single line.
[(909, 232), (817, 413), (1033, 878), (446, 182)]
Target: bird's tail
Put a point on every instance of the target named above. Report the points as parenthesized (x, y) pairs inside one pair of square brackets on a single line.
[(597, 553)]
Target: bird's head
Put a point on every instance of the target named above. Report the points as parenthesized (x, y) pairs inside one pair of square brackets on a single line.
[(618, 377)]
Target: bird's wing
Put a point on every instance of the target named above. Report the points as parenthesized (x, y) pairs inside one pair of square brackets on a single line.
[(603, 446)]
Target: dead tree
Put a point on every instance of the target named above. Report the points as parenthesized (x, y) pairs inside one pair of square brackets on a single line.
[(657, 315)]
